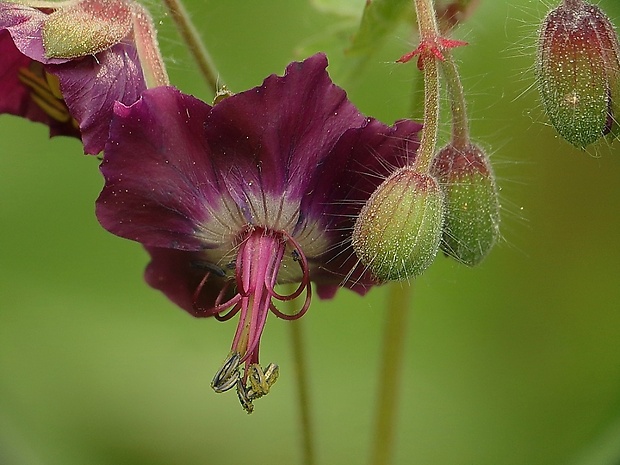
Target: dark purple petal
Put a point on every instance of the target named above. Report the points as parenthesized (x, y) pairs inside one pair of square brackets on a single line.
[(362, 160), (174, 166), (273, 136), (268, 140), (158, 175), (91, 85)]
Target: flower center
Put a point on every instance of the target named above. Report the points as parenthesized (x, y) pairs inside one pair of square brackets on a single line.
[(260, 257)]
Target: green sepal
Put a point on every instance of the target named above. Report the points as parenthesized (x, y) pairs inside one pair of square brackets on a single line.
[(86, 28), (472, 208), (397, 233)]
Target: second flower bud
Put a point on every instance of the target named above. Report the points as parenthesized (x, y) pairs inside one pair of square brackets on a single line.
[(398, 231)]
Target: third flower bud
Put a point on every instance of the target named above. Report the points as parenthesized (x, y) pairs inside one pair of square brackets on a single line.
[(578, 71)]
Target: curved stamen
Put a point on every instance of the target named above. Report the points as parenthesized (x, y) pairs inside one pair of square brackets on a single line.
[(228, 315), (302, 311), (232, 301), (218, 302), (218, 307), (260, 255), (303, 264), (196, 294)]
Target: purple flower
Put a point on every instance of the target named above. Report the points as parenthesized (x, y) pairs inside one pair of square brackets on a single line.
[(260, 189), (66, 67)]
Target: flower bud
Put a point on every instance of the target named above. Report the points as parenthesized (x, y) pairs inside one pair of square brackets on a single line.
[(398, 230), (578, 71), (86, 28), (471, 224)]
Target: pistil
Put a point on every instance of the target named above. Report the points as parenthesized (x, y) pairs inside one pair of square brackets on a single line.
[(261, 253)]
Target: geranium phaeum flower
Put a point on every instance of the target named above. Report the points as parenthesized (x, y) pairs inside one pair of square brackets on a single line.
[(66, 66), (260, 189)]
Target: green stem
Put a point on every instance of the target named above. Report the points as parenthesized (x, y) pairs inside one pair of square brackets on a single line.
[(303, 395), (427, 19), (426, 152), (395, 332), (429, 32), (417, 100), (460, 123), (145, 35), (194, 43)]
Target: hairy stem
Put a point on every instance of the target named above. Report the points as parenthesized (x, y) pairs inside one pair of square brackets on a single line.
[(426, 152), (303, 394), (194, 43), (429, 32), (394, 337), (427, 19), (460, 123), (153, 66)]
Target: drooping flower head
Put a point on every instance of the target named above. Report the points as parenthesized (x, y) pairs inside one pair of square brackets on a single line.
[(260, 189), (66, 63)]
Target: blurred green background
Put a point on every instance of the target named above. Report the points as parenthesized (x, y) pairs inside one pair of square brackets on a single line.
[(514, 362)]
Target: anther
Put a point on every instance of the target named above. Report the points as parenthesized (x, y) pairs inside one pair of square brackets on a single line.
[(228, 375), (261, 381)]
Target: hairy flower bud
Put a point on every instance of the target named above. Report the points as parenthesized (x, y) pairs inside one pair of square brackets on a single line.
[(471, 225), (86, 28), (398, 230), (578, 71)]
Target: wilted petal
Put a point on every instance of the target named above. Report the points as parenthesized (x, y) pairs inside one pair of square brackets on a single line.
[(91, 85), (25, 24), (88, 85)]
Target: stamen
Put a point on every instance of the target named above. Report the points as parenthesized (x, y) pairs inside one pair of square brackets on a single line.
[(227, 376), (227, 316), (297, 315), (51, 108), (198, 290), (300, 258), (244, 398), (45, 92), (218, 305), (261, 381), (222, 294), (53, 84), (33, 78), (259, 258)]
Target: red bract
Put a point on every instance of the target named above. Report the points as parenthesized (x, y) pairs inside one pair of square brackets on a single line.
[(431, 48)]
